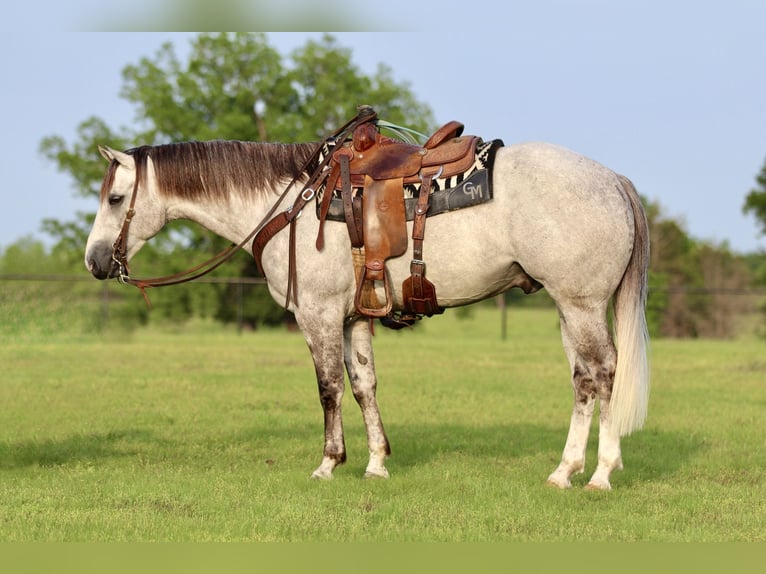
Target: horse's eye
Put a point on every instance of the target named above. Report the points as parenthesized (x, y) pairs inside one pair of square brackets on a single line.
[(116, 199)]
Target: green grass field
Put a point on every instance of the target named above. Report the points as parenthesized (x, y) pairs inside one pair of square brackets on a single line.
[(205, 435)]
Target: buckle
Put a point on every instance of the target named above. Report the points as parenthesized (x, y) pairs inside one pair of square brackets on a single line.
[(418, 267)]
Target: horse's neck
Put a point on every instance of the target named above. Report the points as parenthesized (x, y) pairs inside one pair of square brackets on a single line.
[(233, 218)]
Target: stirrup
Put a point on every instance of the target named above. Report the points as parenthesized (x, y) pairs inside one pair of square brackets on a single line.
[(377, 312)]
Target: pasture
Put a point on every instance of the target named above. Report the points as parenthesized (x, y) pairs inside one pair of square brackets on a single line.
[(201, 434)]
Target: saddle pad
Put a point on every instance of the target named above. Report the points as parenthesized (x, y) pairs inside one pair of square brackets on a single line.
[(448, 194)]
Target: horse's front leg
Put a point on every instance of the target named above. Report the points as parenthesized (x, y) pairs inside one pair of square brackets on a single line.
[(325, 341), (360, 366)]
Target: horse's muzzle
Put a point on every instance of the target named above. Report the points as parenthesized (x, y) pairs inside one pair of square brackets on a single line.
[(100, 263)]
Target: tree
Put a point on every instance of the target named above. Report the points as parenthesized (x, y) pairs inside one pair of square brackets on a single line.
[(233, 86), (755, 202), (693, 285)]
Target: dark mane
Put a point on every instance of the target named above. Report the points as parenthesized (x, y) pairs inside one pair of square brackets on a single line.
[(213, 169)]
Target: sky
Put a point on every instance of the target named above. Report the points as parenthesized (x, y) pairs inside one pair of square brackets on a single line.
[(670, 94)]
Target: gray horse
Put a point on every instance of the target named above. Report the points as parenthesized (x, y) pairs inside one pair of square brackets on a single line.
[(556, 220)]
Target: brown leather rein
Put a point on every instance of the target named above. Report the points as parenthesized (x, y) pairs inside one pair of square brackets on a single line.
[(120, 246)]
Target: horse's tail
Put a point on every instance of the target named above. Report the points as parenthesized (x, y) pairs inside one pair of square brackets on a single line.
[(630, 393)]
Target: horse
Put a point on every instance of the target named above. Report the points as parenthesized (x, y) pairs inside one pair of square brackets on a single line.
[(557, 220)]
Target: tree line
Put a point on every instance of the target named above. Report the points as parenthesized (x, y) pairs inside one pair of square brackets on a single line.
[(236, 86)]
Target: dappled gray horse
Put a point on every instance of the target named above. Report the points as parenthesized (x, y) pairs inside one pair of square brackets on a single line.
[(556, 220)]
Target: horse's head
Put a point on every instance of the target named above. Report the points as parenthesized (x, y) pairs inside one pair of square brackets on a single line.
[(129, 213)]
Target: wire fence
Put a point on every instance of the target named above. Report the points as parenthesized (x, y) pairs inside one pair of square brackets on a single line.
[(85, 278), (63, 302), (39, 298), (88, 279)]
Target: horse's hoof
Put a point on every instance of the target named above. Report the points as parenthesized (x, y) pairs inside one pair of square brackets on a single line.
[(562, 483), (598, 485), (375, 474), (319, 474)]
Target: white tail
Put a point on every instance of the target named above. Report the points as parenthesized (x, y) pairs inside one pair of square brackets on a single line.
[(630, 393)]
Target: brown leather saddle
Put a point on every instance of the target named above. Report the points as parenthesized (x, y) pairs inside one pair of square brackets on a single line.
[(369, 172)]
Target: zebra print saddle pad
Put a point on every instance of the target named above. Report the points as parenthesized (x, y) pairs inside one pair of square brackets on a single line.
[(472, 187)]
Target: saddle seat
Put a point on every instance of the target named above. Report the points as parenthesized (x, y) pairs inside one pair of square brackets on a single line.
[(383, 158)]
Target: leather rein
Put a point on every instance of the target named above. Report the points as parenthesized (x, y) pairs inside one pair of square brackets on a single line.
[(120, 246)]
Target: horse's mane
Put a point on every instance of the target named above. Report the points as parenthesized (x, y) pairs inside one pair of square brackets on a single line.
[(213, 169)]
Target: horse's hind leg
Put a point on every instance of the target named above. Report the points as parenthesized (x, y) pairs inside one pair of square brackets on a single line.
[(592, 358), (360, 366), (325, 341)]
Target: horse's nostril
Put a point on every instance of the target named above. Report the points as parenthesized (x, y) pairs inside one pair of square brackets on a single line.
[(96, 270)]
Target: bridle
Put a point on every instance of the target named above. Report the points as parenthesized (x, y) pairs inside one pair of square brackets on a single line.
[(120, 245), (120, 251)]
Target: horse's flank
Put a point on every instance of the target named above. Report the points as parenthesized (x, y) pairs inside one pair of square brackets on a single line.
[(200, 171)]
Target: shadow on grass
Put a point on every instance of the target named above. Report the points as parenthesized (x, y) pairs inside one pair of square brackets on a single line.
[(647, 455), (76, 448)]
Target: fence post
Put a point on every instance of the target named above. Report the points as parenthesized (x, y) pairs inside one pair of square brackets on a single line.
[(104, 305), (501, 304), (240, 306)]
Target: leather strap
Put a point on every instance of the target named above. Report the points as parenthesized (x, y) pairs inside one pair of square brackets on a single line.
[(120, 245), (324, 208), (418, 293), (292, 275), (417, 265), (353, 221), (267, 231), (277, 224)]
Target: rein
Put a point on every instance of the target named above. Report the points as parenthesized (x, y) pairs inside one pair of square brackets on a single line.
[(120, 246)]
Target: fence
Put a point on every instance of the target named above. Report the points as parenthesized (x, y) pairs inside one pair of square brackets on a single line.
[(34, 298), (101, 297)]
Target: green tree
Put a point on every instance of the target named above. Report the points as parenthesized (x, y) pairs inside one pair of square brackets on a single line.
[(232, 86), (670, 310), (755, 202), (693, 284)]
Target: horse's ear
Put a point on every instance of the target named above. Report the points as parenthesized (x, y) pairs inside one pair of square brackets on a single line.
[(123, 158)]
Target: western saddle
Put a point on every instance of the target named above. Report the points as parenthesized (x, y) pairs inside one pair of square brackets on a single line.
[(369, 171)]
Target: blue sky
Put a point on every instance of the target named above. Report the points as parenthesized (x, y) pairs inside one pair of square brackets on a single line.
[(671, 94)]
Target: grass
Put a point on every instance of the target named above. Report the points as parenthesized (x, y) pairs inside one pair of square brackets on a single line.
[(205, 435)]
